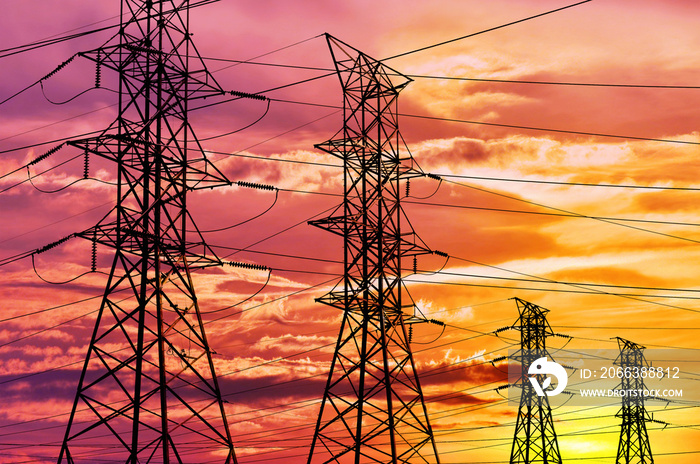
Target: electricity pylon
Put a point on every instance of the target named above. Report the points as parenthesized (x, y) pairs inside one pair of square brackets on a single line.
[(634, 446), (535, 440), (373, 409), (148, 392)]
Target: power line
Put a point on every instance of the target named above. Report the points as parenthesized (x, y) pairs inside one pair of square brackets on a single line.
[(55, 40), (44, 43), (486, 30), (608, 221), (502, 210), (236, 62), (575, 184), (558, 83), (514, 126), (587, 284), (40, 311), (540, 213), (544, 129), (468, 79), (584, 291)]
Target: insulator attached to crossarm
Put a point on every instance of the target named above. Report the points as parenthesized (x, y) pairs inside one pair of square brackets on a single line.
[(46, 155), (656, 421), (502, 329), (58, 68), (252, 96), (93, 264), (86, 169), (254, 185), (440, 253), (433, 176), (53, 244), (98, 70), (408, 187), (255, 267), (140, 49)]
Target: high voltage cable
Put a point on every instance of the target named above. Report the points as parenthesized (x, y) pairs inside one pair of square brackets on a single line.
[(564, 213), (62, 139), (575, 184), (469, 79), (236, 63), (569, 215), (546, 280), (559, 83), (51, 41), (236, 250), (33, 313), (486, 30), (544, 129), (584, 285), (597, 327), (205, 323), (299, 428), (632, 296), (115, 104), (312, 401), (607, 221), (587, 458), (635, 287), (43, 43), (512, 126), (401, 114), (222, 375)]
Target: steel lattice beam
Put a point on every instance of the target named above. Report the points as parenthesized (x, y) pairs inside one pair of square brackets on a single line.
[(148, 392), (373, 409)]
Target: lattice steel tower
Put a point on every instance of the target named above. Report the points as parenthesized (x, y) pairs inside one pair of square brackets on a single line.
[(373, 408), (148, 391), (634, 446), (535, 440)]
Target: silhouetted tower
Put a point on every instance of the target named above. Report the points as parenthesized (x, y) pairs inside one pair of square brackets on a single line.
[(535, 440), (148, 392), (634, 446), (373, 408)]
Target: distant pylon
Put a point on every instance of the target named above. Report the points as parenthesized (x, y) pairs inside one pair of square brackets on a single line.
[(535, 440), (634, 446), (373, 409), (148, 391)]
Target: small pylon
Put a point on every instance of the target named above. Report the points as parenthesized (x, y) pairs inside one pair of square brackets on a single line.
[(535, 440), (634, 446)]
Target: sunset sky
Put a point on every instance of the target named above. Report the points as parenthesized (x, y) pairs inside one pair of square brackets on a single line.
[(579, 198)]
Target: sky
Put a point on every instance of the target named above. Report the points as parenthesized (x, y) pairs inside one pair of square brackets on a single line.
[(577, 198)]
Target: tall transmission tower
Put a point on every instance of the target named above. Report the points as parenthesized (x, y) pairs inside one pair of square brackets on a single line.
[(535, 440), (634, 446), (373, 409), (148, 392)]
